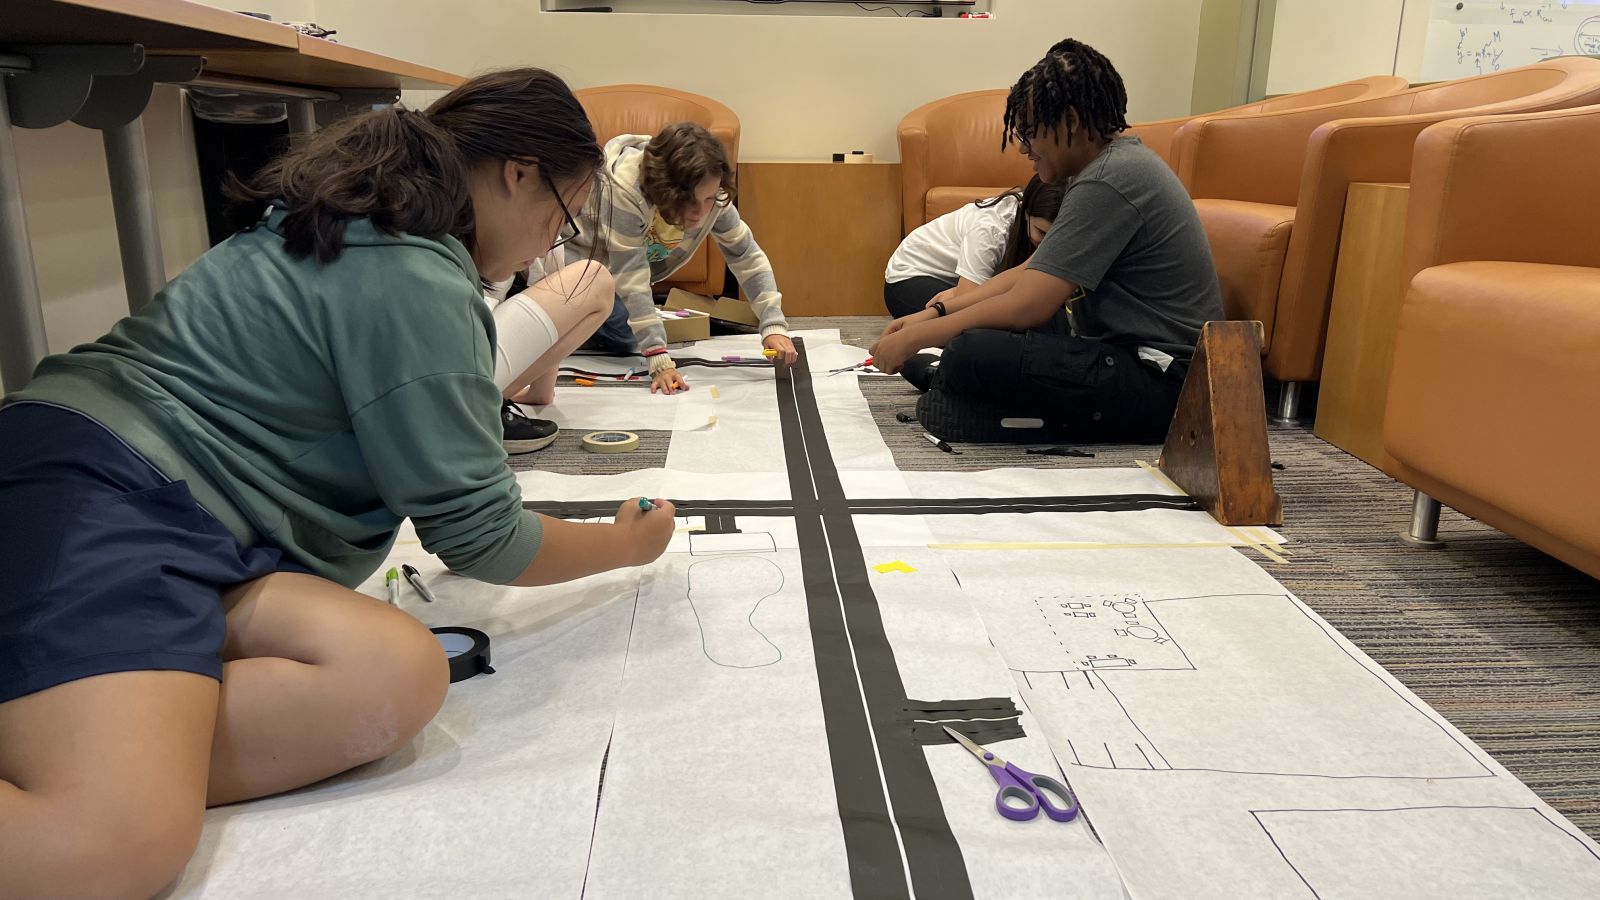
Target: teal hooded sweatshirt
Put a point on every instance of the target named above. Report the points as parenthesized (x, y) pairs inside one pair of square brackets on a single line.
[(316, 407)]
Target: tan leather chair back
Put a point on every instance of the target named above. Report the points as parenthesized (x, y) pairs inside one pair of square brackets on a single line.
[(644, 109), (1521, 196), (1159, 134), (950, 155)]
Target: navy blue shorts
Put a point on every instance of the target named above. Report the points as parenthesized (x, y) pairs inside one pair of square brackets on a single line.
[(106, 565)]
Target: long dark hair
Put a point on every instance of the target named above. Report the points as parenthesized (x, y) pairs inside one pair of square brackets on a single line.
[(1037, 199), (407, 171), (1072, 76), (677, 159)]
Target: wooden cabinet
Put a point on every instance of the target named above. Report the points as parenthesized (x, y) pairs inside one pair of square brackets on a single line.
[(1367, 294), (828, 230)]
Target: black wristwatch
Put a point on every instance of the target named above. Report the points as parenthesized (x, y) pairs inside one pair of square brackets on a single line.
[(939, 306)]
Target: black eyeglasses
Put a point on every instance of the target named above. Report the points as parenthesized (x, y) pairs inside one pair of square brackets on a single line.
[(568, 230)]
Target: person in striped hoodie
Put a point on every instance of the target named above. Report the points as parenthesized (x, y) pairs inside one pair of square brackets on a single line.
[(664, 195)]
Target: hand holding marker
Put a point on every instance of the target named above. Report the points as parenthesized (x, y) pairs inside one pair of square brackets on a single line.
[(644, 531)]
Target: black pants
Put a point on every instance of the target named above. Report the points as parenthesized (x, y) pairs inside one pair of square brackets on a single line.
[(912, 295), (1081, 390)]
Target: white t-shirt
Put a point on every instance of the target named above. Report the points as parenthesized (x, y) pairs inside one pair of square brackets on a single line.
[(966, 244)]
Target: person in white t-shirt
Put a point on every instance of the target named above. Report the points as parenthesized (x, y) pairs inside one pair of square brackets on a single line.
[(965, 248)]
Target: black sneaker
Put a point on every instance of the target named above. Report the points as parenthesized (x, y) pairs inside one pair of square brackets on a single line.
[(524, 434), (959, 420), (919, 370)]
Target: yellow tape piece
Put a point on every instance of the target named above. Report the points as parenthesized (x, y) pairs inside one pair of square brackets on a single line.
[(1266, 539), (1256, 545), (1161, 475), (715, 394), (896, 566)]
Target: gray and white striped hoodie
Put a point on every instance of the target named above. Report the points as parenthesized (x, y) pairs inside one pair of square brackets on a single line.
[(618, 219)]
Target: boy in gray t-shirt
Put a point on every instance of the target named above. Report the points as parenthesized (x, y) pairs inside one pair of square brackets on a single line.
[(1092, 338)]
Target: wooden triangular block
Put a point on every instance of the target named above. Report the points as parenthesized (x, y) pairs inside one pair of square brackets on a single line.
[(1216, 449)]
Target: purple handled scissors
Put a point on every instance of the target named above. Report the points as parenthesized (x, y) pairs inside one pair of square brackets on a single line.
[(1030, 790)]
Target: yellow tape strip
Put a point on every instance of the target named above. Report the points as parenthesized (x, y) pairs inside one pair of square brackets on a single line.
[(1256, 545), (1056, 545), (1161, 475), (1266, 538)]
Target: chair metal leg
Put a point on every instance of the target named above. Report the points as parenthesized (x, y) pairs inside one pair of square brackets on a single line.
[(1424, 533), (1288, 403)]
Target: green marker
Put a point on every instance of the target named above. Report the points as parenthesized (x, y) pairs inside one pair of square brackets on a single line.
[(392, 580), (646, 505)]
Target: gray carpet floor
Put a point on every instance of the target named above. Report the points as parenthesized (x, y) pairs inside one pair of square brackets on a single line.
[(1499, 638)]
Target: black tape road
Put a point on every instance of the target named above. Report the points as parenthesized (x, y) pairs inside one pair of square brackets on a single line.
[(966, 506), (896, 836)]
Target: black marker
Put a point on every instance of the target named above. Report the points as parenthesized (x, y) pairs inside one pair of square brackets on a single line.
[(415, 577), (938, 443)]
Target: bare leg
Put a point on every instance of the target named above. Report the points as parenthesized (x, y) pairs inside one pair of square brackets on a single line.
[(318, 679), (104, 781), (577, 298), (103, 784)]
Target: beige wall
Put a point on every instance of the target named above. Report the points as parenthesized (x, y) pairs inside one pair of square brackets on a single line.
[(1316, 43), (803, 86), (1222, 63)]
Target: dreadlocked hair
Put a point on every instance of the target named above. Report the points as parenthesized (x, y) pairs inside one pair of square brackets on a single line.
[(1072, 76)]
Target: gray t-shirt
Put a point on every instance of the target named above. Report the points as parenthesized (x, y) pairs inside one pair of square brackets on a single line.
[(1128, 236)]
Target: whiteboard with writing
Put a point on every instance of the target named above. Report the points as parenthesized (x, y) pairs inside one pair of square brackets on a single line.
[(1477, 37)]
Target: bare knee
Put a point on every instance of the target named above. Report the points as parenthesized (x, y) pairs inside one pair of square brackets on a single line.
[(404, 676), (594, 286), (102, 852)]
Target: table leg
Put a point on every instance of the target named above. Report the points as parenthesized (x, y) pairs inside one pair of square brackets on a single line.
[(22, 336), (144, 269)]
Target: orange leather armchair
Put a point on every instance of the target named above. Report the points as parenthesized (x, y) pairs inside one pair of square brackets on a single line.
[(1159, 135), (1500, 328), (950, 149), (950, 156), (1273, 186), (645, 109)]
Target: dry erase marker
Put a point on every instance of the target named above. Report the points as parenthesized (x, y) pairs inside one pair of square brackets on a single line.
[(391, 579), (415, 577), (938, 443), (646, 505), (769, 353), (584, 382)]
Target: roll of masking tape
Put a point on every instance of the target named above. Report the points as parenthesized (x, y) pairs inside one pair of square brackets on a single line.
[(610, 441)]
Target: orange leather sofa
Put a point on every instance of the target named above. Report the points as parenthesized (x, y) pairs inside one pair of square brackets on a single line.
[(1499, 337), (1159, 135), (1271, 187), (645, 109)]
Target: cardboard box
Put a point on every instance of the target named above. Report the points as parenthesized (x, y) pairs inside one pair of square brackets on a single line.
[(724, 309), (692, 325)]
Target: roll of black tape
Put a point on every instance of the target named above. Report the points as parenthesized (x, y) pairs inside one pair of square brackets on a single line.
[(467, 649)]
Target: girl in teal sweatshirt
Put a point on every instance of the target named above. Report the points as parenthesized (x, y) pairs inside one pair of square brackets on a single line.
[(186, 503)]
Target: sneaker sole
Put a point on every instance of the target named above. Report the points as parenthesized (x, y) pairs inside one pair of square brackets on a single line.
[(529, 446), (953, 420)]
